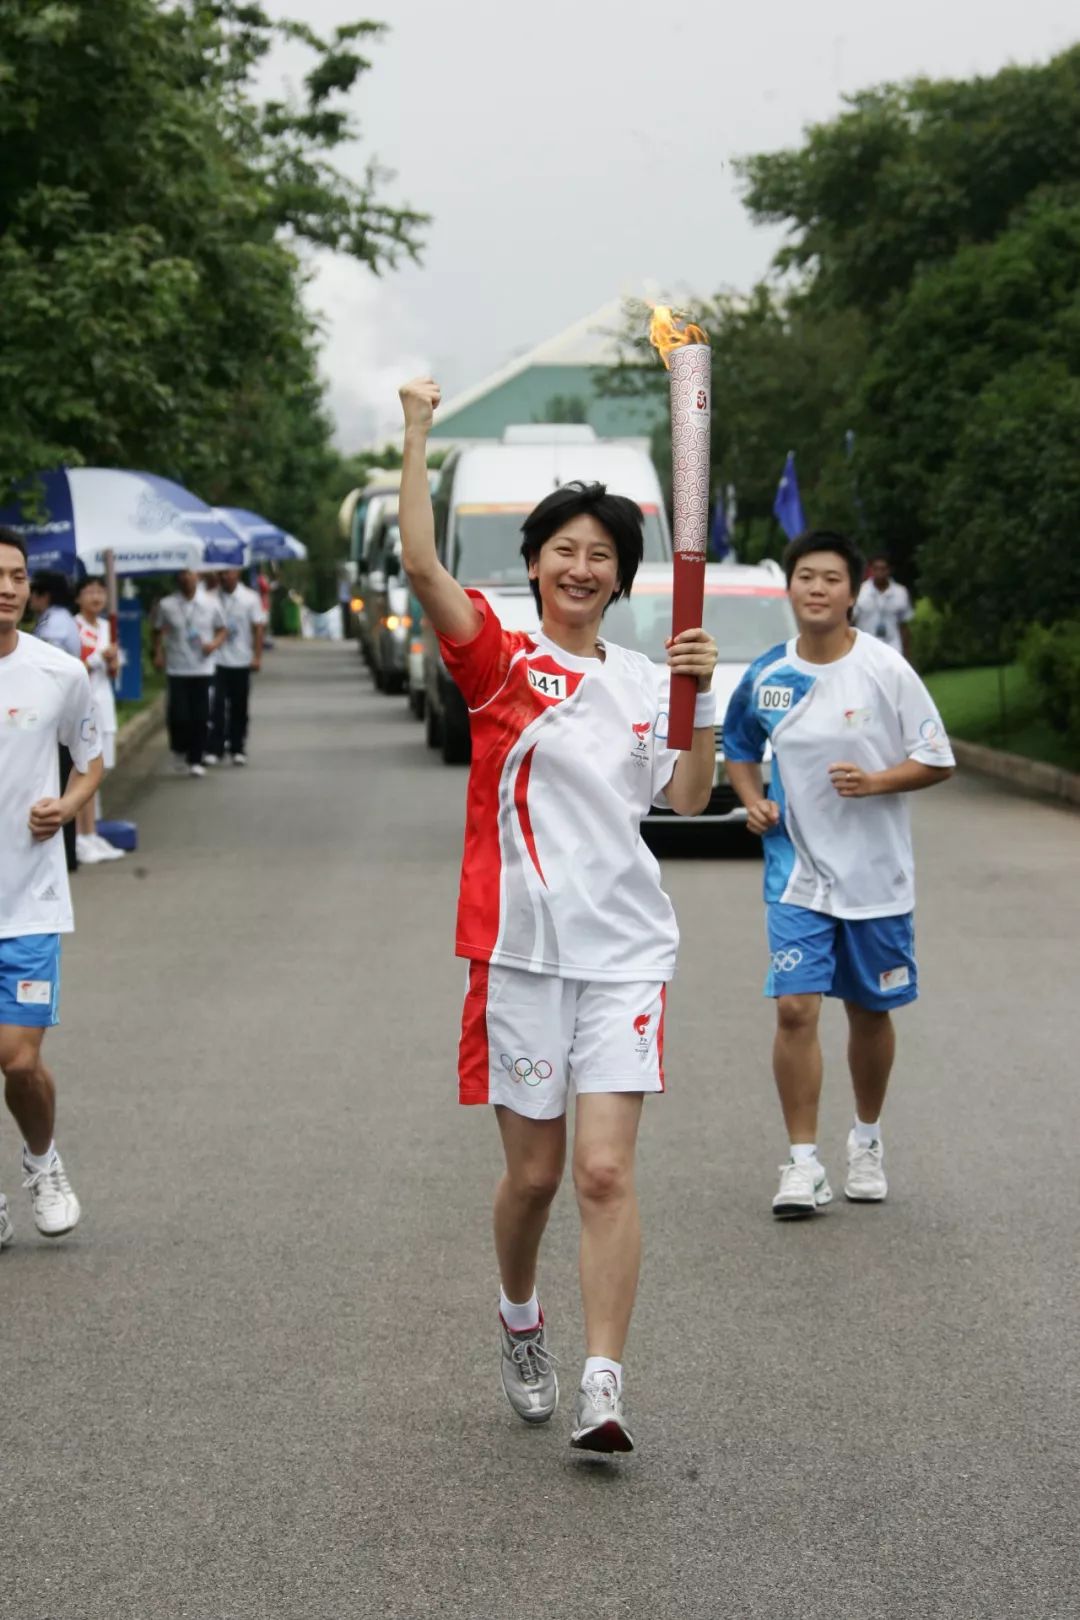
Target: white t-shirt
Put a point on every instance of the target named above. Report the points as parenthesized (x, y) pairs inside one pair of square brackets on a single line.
[(556, 877), (881, 613), (44, 701), (844, 857), (188, 626), (243, 610), (95, 638)]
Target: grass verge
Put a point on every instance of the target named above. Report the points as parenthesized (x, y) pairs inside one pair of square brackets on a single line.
[(999, 707)]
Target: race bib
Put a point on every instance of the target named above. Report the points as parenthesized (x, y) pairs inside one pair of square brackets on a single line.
[(774, 698)]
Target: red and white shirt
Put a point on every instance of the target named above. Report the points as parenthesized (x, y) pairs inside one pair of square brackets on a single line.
[(556, 877)]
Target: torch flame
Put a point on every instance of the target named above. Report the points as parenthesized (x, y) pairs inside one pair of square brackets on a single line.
[(665, 334)]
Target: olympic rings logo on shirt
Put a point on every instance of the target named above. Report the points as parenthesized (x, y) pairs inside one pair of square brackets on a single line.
[(533, 1074), (786, 961)]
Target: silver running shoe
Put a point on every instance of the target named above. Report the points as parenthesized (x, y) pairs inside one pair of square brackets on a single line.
[(7, 1231), (56, 1208), (803, 1189), (528, 1373), (865, 1182), (599, 1416)]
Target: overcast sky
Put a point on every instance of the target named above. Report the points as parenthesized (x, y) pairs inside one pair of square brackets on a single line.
[(574, 150)]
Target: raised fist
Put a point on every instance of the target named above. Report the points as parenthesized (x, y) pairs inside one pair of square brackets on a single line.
[(419, 401)]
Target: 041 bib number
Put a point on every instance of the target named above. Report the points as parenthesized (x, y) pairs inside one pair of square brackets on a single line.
[(552, 686), (774, 698)]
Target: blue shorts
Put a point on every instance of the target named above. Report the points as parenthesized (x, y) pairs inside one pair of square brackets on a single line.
[(30, 980), (870, 961)]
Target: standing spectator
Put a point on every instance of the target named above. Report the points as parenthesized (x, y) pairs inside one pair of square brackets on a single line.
[(50, 601), (883, 608), (45, 700), (188, 630), (245, 619), (102, 660)]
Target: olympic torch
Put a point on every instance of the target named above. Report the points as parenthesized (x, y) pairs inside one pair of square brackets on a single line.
[(685, 351)]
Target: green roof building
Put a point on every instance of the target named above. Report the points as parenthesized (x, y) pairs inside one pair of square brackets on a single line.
[(554, 382)]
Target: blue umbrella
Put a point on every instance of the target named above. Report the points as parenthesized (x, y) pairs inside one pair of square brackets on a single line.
[(150, 524), (264, 540)]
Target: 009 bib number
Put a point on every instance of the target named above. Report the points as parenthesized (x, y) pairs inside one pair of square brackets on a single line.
[(775, 698)]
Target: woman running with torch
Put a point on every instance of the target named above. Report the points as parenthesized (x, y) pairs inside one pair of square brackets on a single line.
[(569, 937)]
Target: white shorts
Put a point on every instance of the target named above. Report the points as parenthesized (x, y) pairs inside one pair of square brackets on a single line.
[(108, 749), (526, 1038)]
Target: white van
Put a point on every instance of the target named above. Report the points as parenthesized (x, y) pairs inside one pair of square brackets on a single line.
[(483, 496)]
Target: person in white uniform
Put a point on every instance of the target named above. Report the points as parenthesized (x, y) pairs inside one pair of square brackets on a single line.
[(189, 627), (883, 608), (45, 701), (853, 731), (238, 658), (569, 937), (101, 658)]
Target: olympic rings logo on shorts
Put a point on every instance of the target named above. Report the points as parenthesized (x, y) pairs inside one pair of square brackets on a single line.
[(525, 1069), (786, 961)]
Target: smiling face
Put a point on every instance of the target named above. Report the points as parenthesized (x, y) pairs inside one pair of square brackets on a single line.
[(14, 587), (577, 571), (821, 592)]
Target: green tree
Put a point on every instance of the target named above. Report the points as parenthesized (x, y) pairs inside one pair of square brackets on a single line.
[(151, 220), (911, 173)]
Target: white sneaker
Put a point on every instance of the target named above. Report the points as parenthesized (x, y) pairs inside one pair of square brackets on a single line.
[(803, 1189), (107, 851), (211, 759), (87, 852), (600, 1416), (865, 1182), (56, 1208), (7, 1231), (180, 764), (196, 770), (239, 759)]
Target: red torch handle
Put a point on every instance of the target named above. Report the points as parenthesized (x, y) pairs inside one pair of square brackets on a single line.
[(688, 594)]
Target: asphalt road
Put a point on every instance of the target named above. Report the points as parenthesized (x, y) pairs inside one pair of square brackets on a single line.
[(261, 1380)]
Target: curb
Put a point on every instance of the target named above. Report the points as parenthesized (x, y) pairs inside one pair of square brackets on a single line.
[(139, 729), (1030, 776)]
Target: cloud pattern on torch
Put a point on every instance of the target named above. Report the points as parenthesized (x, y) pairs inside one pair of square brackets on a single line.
[(690, 423)]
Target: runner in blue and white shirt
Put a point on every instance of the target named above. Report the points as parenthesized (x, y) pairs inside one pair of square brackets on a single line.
[(852, 729)]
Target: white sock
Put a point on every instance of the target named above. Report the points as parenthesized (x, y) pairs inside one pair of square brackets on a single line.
[(865, 1135), (602, 1364), (520, 1318), (33, 1162), (803, 1152)]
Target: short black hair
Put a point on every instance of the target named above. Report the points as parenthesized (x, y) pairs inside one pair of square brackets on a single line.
[(91, 579), (618, 514), (804, 545), (53, 585), (8, 537)]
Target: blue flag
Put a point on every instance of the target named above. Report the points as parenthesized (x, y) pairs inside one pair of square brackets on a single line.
[(787, 507), (720, 534)]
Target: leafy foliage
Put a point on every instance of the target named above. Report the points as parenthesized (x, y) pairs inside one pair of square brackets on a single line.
[(152, 217)]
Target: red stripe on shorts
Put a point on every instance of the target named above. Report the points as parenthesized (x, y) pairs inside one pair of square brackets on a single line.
[(473, 1059), (660, 1035)]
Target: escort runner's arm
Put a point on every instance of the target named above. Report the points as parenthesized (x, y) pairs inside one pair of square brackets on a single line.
[(444, 601)]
